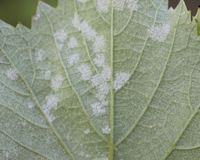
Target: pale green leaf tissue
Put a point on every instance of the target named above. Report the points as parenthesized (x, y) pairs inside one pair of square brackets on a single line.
[(101, 80)]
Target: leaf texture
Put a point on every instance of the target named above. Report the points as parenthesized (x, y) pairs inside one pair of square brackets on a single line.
[(101, 80)]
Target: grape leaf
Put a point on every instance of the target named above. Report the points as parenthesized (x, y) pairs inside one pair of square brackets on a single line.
[(99, 80)]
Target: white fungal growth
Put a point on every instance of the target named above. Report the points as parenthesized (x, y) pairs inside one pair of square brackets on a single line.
[(100, 44), (36, 17), (103, 6), (47, 74), (82, 1), (101, 86), (61, 35), (132, 5), (73, 43), (143, 70), (60, 46), (106, 73), (31, 104), (120, 80), (76, 22), (87, 131), (86, 72), (12, 74), (119, 5), (24, 123), (87, 30), (74, 59), (51, 103), (98, 109), (159, 33), (40, 56), (56, 83), (106, 130), (170, 10), (99, 60), (88, 156)]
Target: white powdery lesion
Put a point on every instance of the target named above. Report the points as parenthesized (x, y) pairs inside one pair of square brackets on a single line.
[(103, 6), (101, 86), (89, 33), (47, 74), (40, 56), (106, 72), (76, 22), (73, 43), (87, 131), (61, 35), (100, 44), (82, 1), (170, 10), (120, 80), (106, 130), (159, 33), (51, 103), (56, 83), (74, 59), (60, 46), (119, 5), (132, 5), (86, 72), (99, 60), (36, 17), (98, 109), (12, 74)]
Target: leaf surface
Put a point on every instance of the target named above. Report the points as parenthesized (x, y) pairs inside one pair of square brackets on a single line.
[(99, 80)]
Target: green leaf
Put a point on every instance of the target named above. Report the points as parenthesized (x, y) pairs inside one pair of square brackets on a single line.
[(99, 80)]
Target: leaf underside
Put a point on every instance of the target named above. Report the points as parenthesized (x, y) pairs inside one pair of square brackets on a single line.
[(99, 80)]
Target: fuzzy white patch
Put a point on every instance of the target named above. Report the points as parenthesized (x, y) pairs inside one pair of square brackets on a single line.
[(88, 156), (132, 5), (51, 102), (106, 130), (31, 104), (159, 33), (60, 46), (98, 109), (170, 10), (47, 74), (106, 73), (61, 35), (76, 22), (99, 60), (103, 6), (36, 17), (90, 34), (73, 43), (85, 71), (87, 131), (12, 74), (82, 1), (101, 86), (74, 59), (24, 123), (56, 83), (40, 56), (120, 80), (119, 5), (100, 44)]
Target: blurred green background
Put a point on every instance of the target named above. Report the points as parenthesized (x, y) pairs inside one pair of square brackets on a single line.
[(12, 11)]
